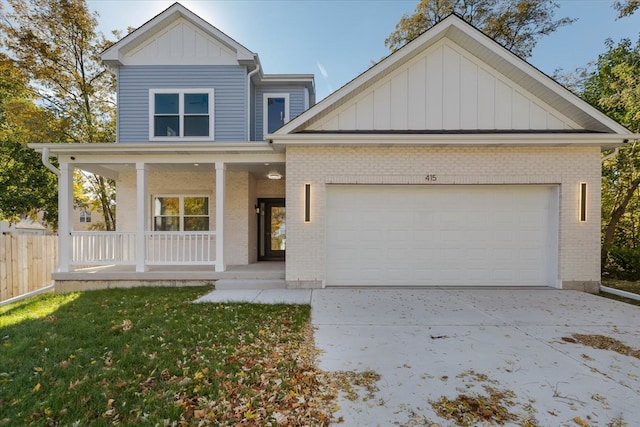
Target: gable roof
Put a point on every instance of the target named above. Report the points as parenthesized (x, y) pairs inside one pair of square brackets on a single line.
[(114, 55), (453, 28)]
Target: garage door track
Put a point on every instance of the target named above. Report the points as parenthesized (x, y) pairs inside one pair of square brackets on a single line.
[(518, 350)]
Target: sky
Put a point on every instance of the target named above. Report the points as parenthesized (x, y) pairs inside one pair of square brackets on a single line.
[(336, 40)]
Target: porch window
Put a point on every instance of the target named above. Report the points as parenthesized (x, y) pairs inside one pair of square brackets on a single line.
[(181, 213), (180, 114)]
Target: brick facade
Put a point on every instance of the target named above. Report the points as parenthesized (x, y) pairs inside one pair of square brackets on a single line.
[(579, 246)]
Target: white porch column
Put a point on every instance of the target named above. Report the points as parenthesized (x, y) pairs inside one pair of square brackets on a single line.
[(220, 175), (65, 216), (142, 216)]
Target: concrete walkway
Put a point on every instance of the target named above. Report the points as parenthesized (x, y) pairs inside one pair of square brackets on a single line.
[(259, 296), (427, 344)]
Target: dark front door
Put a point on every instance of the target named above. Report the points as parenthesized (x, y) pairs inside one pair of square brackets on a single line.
[(272, 236)]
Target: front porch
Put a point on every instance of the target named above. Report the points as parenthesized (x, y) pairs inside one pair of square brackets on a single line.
[(184, 212), (123, 276)]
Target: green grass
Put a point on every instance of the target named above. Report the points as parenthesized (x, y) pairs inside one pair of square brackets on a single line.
[(623, 285), (148, 356)]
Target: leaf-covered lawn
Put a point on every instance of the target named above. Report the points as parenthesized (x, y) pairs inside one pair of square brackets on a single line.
[(149, 356)]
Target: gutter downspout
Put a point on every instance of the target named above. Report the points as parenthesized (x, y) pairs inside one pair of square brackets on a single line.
[(249, 100), (47, 163)]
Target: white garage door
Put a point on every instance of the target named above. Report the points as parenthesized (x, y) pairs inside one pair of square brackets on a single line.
[(442, 235)]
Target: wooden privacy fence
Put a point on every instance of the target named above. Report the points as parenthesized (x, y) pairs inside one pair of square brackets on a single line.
[(26, 263)]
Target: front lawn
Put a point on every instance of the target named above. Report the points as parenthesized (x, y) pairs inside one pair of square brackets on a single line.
[(149, 356)]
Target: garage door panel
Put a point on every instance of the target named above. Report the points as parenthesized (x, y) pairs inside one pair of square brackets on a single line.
[(441, 235)]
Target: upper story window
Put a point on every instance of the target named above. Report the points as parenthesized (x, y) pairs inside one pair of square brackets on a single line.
[(275, 111), (179, 114)]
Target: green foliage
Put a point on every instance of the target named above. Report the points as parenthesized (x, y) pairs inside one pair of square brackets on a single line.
[(150, 356), (517, 25), (626, 7), (26, 186), (56, 45), (613, 86), (624, 263)]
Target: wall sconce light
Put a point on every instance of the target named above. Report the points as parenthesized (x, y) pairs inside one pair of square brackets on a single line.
[(583, 202), (307, 203), (257, 208)]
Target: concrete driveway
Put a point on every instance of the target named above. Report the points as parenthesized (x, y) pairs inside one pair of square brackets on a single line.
[(429, 344)]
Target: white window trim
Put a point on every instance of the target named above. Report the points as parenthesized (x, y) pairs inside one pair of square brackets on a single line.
[(265, 112), (180, 92), (181, 198)]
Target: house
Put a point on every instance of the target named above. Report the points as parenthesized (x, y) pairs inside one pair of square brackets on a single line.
[(86, 218), (25, 226), (452, 162)]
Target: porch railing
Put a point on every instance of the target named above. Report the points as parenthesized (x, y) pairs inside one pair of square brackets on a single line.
[(183, 248), (162, 248), (103, 247)]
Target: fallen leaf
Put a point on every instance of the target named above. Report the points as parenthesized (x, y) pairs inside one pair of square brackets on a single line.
[(581, 422)]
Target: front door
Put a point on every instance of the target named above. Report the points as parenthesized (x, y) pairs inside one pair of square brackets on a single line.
[(272, 236)]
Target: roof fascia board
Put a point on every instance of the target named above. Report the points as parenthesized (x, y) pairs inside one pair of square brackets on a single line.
[(153, 148), (307, 80), (131, 159), (113, 56), (449, 139)]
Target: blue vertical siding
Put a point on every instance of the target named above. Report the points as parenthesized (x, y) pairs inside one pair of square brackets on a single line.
[(296, 105), (230, 97)]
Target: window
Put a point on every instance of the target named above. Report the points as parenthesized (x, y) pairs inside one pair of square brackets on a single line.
[(181, 213), (85, 216), (180, 114), (276, 111)]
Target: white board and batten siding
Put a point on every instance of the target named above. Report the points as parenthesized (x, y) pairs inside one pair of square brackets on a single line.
[(184, 43), (445, 88), (442, 235)]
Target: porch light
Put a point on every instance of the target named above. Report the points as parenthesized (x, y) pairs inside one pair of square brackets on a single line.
[(274, 175), (583, 202), (307, 203)]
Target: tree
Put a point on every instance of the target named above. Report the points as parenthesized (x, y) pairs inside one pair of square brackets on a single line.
[(27, 187), (515, 24), (56, 43), (626, 7), (614, 87)]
